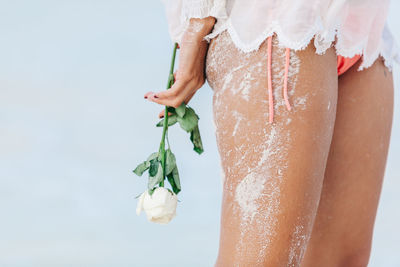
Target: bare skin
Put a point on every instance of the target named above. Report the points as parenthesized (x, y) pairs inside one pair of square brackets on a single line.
[(276, 175), (286, 158), (190, 75), (343, 228)]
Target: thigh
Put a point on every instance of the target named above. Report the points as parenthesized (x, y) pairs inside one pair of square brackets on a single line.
[(273, 173), (343, 228)]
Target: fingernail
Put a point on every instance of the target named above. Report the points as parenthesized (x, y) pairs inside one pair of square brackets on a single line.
[(155, 96), (145, 96), (161, 117)]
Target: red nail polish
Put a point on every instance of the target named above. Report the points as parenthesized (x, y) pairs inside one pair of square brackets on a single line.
[(155, 96), (145, 96)]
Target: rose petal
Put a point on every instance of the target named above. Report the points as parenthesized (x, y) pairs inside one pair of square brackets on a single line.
[(160, 207), (139, 206)]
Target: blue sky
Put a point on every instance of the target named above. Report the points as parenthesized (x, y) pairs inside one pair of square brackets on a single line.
[(73, 124)]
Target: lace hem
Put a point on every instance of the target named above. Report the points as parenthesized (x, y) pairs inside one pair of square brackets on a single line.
[(203, 10), (322, 41)]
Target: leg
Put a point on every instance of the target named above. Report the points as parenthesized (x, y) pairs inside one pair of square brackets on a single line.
[(273, 172), (343, 228)]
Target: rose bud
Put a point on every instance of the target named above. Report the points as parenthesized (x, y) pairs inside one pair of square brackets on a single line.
[(160, 207)]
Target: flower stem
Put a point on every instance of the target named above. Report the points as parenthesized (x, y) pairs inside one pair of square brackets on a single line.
[(165, 126)]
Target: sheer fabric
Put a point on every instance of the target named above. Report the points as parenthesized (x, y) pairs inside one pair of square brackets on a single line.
[(359, 26)]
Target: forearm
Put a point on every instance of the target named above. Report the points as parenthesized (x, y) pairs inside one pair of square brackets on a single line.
[(197, 29)]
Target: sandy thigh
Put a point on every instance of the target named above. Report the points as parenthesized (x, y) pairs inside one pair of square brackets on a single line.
[(343, 228), (273, 173)]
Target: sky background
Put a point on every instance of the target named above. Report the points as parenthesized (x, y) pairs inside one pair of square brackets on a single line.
[(74, 124)]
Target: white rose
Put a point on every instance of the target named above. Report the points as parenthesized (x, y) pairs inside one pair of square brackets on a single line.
[(159, 207)]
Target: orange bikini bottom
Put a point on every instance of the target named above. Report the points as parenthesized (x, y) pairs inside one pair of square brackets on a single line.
[(343, 64)]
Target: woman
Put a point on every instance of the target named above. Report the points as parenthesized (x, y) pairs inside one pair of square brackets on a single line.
[(303, 106)]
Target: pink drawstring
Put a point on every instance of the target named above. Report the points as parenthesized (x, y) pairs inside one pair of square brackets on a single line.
[(285, 95), (269, 76), (270, 97)]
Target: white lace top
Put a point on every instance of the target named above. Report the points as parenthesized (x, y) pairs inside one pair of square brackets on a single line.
[(359, 25)]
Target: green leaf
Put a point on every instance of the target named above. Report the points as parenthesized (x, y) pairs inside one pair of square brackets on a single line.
[(171, 109), (181, 110), (151, 191), (170, 161), (172, 119), (152, 156), (170, 178), (160, 123), (175, 175), (141, 168), (170, 80), (196, 140), (157, 178), (189, 120), (154, 167), (170, 190), (160, 156)]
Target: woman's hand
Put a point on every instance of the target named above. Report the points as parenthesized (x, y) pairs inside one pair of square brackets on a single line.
[(190, 75)]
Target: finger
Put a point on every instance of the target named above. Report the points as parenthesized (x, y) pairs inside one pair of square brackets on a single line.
[(172, 102), (146, 95), (161, 114), (173, 92), (175, 95)]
